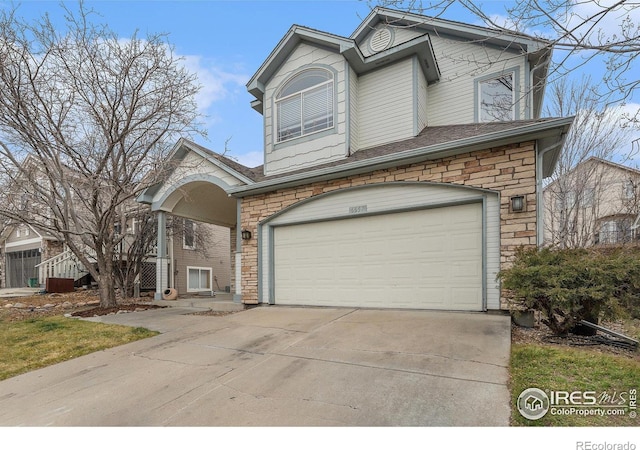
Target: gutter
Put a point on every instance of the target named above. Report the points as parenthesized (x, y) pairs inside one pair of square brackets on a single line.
[(533, 131)]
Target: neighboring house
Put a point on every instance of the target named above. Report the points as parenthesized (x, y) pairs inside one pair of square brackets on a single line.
[(200, 259), (22, 248), (199, 252), (596, 203), (403, 167)]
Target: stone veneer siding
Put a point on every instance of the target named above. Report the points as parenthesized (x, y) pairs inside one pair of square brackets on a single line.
[(509, 170)]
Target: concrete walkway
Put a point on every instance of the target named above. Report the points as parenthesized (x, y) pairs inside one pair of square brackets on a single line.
[(279, 366), (18, 292)]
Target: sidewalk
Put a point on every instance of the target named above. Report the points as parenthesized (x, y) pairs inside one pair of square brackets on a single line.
[(18, 292)]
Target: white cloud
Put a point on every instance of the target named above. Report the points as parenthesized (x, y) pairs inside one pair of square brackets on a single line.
[(217, 83), (589, 20), (250, 159)]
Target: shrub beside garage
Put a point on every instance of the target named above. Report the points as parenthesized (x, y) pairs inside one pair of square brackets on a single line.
[(570, 285)]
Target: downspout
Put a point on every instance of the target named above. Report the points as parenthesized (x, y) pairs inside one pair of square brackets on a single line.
[(539, 188), (161, 256), (171, 260), (237, 295)]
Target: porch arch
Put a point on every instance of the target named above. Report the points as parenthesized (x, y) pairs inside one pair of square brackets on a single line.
[(197, 189), (202, 197)]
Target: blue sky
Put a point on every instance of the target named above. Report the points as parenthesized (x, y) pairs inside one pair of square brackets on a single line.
[(225, 42)]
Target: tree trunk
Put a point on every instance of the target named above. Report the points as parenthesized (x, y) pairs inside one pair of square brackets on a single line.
[(107, 291), (106, 281)]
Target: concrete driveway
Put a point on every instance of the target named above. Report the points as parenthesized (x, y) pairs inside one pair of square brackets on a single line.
[(280, 366)]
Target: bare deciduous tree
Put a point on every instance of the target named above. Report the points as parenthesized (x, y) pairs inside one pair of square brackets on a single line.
[(86, 119), (575, 194), (606, 33)]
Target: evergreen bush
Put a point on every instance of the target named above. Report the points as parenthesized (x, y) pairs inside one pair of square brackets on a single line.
[(570, 285)]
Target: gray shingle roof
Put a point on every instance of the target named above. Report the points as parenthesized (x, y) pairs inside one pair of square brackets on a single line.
[(429, 136)]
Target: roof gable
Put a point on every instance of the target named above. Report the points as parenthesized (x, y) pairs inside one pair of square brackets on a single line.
[(499, 38), (182, 149), (538, 51)]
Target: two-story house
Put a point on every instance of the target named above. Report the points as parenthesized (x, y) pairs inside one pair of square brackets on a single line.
[(595, 203), (403, 166)]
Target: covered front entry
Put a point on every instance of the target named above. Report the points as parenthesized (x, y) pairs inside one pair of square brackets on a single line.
[(389, 245), (423, 259), (196, 190)]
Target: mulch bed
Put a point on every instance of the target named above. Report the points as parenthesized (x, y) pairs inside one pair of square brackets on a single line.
[(99, 311), (543, 336)]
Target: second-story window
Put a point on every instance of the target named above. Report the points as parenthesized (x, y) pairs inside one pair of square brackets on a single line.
[(628, 190), (305, 105), (189, 235), (496, 98)]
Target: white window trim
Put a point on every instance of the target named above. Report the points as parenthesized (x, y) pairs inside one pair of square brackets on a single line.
[(277, 100), (515, 111), (209, 269)]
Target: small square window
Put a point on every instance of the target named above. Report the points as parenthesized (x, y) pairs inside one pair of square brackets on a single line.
[(199, 279)]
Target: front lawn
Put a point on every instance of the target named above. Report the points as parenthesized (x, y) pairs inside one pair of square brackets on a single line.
[(563, 368), (38, 342)]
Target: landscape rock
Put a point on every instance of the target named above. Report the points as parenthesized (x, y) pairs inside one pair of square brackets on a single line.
[(19, 305), (67, 305), (9, 305)]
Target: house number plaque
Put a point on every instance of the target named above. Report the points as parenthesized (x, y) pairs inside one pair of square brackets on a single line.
[(357, 209)]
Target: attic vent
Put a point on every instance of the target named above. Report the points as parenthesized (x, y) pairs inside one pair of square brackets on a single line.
[(380, 40)]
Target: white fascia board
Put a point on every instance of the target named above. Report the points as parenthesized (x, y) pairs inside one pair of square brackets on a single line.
[(37, 240), (296, 34), (219, 164), (459, 29), (420, 46), (146, 196), (179, 152), (552, 129)]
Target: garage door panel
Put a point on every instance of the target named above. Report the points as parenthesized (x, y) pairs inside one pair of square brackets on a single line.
[(419, 259)]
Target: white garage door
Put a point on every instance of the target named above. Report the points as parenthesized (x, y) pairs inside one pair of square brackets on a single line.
[(426, 259)]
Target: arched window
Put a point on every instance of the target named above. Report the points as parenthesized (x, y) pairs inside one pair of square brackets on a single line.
[(305, 104)]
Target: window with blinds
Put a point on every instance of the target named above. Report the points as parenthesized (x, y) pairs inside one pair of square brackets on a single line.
[(305, 105)]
